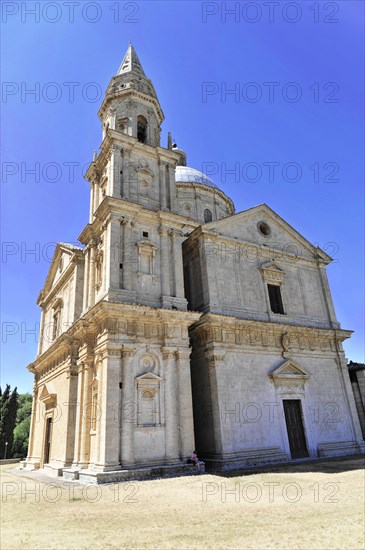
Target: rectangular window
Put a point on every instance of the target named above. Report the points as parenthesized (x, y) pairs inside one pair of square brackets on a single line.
[(56, 324), (276, 302)]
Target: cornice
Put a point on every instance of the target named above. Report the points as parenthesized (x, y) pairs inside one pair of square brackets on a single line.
[(122, 208), (87, 326), (213, 329), (87, 234), (278, 327)]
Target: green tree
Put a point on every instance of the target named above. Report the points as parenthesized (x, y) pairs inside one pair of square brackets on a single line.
[(21, 430), (8, 410), (4, 396), (3, 399)]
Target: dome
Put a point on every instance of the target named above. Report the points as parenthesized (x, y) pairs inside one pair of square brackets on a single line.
[(185, 174)]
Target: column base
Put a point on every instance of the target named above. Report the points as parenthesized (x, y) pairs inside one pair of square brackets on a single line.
[(30, 464), (244, 459), (340, 448)]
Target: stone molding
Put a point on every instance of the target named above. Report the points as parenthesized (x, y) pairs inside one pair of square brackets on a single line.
[(260, 334)]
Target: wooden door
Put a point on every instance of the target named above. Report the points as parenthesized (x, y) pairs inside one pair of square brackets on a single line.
[(295, 428), (47, 442)]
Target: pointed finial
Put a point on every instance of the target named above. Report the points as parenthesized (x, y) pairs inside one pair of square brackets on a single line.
[(130, 62), (95, 155)]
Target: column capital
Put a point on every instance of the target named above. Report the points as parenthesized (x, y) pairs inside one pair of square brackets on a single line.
[(126, 352), (162, 229), (168, 353), (183, 354)]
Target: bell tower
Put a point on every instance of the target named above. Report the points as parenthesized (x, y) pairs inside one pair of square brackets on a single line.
[(133, 242), (132, 165)]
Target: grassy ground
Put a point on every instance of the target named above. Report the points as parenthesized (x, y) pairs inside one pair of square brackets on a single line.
[(310, 506)]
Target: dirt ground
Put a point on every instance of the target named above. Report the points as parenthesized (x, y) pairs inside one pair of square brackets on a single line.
[(317, 505)]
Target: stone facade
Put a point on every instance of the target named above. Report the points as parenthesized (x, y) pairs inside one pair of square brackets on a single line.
[(357, 377), (179, 323)]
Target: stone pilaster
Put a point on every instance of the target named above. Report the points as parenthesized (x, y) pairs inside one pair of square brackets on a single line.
[(171, 406), (162, 177), (86, 280), (112, 254), (215, 359), (113, 179), (92, 193), (33, 421), (165, 263), (85, 415), (79, 414), (127, 255), (125, 173), (179, 291), (185, 405), (109, 440), (129, 412), (172, 187), (40, 343), (91, 293)]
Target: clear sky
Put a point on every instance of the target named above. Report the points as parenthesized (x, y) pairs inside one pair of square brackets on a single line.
[(292, 132)]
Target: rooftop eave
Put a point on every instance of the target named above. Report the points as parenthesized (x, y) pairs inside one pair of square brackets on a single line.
[(87, 234)]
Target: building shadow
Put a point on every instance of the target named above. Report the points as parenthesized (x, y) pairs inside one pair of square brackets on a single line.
[(324, 465)]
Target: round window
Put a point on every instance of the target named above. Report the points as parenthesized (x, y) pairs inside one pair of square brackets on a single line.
[(264, 229)]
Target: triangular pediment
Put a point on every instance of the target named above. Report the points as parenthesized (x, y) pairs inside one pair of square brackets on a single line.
[(61, 260), (146, 243), (290, 369), (260, 225), (46, 397), (271, 266), (149, 376)]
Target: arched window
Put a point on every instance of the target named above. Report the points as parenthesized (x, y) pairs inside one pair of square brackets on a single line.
[(207, 216), (141, 129)]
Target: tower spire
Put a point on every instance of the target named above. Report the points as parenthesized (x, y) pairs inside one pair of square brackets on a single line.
[(130, 62)]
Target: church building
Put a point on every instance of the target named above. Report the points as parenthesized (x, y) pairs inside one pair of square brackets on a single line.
[(178, 324)]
